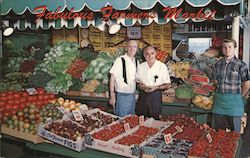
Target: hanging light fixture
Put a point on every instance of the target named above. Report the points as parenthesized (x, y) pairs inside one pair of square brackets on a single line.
[(112, 28), (6, 30)]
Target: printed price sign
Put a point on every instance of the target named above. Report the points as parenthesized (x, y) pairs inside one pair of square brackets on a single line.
[(168, 138), (63, 110), (49, 120), (134, 32), (99, 95), (85, 94), (83, 108), (179, 129), (141, 119), (209, 138), (126, 127), (31, 91), (77, 115)]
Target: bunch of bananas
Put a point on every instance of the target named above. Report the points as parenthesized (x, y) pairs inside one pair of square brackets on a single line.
[(180, 69), (203, 102), (90, 86)]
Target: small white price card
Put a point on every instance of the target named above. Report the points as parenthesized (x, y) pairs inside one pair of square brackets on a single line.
[(31, 91), (126, 127), (209, 138), (60, 108), (168, 138), (77, 115), (85, 94), (49, 119), (141, 119), (179, 129)]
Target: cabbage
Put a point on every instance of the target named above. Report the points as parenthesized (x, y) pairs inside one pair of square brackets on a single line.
[(93, 63), (96, 70), (98, 76)]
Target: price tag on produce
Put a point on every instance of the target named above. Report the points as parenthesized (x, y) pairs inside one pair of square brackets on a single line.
[(168, 138), (126, 127), (209, 138), (77, 115), (31, 91), (100, 95), (60, 108), (49, 120), (141, 119), (179, 129), (85, 94), (83, 108)]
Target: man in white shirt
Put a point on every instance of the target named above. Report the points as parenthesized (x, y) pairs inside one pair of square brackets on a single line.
[(122, 81), (152, 78)]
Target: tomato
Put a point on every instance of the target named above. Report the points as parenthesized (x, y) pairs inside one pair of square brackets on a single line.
[(40, 90), (34, 98), (22, 100), (15, 107), (29, 99), (23, 105), (2, 103), (8, 107), (17, 102), (52, 96), (1, 109), (9, 97), (10, 101), (3, 98), (40, 97), (10, 92), (3, 94), (46, 97), (16, 95), (24, 94), (39, 103)]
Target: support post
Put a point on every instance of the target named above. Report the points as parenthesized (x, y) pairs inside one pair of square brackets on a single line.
[(236, 32)]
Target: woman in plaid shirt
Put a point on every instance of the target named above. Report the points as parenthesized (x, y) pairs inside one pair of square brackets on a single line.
[(232, 80)]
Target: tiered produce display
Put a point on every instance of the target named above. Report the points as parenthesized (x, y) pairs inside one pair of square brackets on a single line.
[(191, 83)]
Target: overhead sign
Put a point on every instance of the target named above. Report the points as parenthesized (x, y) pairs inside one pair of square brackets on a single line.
[(134, 32)]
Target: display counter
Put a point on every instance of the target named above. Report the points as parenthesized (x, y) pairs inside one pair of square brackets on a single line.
[(87, 153), (179, 106)]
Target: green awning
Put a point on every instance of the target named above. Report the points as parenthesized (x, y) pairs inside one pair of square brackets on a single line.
[(20, 7)]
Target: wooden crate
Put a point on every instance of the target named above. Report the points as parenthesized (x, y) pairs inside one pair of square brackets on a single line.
[(36, 139)]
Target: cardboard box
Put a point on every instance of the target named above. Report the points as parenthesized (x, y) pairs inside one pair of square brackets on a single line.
[(74, 145), (128, 151), (182, 100), (21, 135), (73, 93), (167, 99), (95, 110)]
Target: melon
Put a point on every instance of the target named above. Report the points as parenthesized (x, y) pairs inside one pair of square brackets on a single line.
[(188, 81), (209, 87), (201, 79), (195, 71), (201, 91)]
